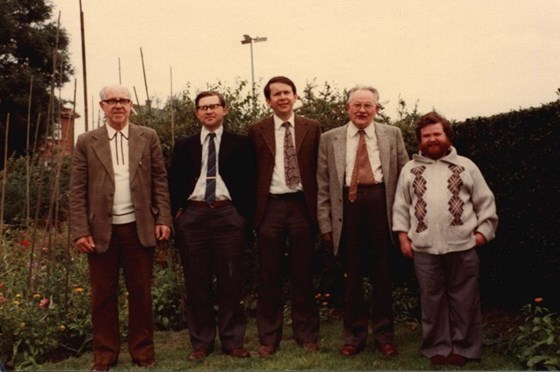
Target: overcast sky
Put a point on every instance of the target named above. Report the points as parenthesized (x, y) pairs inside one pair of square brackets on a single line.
[(464, 58)]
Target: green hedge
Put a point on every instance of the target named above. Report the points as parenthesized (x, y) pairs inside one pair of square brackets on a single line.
[(518, 154)]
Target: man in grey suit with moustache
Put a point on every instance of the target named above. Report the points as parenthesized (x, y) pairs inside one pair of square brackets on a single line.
[(357, 172)]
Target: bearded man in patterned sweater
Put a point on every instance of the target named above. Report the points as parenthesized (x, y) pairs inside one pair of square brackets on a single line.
[(443, 211)]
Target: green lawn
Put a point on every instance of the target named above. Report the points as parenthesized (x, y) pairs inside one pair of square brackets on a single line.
[(172, 349)]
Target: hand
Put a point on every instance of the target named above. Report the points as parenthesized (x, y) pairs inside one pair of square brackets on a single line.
[(480, 239), (327, 236), (162, 232), (85, 244), (406, 245)]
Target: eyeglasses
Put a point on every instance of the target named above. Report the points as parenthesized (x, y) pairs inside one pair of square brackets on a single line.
[(365, 106), (210, 107), (115, 101)]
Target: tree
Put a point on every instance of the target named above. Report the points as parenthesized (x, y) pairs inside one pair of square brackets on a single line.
[(28, 38)]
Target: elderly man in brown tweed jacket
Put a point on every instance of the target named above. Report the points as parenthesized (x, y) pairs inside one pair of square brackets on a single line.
[(120, 209)]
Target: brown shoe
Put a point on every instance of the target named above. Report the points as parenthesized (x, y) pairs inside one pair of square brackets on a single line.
[(238, 353), (198, 354), (438, 360), (266, 350), (310, 346), (388, 350), (456, 360), (350, 350)]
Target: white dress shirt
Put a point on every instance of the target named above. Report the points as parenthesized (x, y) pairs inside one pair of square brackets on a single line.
[(352, 139), (123, 209), (278, 183), (199, 191)]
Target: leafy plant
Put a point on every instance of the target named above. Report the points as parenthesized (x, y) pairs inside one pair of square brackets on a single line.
[(538, 344)]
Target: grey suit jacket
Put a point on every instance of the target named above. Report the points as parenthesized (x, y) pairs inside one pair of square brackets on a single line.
[(331, 168), (93, 186)]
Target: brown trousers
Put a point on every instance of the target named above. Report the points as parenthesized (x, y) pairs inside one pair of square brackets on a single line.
[(366, 243), (124, 251)]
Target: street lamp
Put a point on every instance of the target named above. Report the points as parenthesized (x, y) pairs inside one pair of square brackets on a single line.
[(250, 40)]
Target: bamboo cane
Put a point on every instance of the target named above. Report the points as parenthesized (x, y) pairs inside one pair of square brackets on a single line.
[(28, 157), (148, 102), (171, 106), (4, 177), (84, 68)]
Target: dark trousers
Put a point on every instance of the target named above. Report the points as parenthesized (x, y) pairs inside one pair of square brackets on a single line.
[(450, 301), (366, 244), (211, 241), (286, 218), (124, 251)]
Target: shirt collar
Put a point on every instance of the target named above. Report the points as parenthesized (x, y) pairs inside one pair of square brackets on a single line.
[(353, 130), (278, 122), (111, 132), (204, 133)]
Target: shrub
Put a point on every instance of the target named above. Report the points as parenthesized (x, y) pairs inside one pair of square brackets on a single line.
[(538, 344)]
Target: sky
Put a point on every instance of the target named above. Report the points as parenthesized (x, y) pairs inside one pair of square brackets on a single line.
[(464, 58)]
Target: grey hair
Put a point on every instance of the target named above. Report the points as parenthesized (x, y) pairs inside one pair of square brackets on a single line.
[(362, 87), (104, 89)]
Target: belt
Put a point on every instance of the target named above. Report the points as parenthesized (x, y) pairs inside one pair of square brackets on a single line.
[(203, 204), (365, 187), (288, 195)]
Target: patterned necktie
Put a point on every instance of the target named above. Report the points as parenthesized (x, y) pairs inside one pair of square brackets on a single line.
[(210, 194), (290, 161), (362, 174)]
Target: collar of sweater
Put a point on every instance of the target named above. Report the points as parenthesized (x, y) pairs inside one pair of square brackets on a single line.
[(452, 157)]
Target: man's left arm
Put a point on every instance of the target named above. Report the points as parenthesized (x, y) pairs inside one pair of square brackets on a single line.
[(402, 154), (484, 206), (160, 191)]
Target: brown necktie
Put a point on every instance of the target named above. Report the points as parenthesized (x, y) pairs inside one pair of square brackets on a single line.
[(362, 173), (291, 169)]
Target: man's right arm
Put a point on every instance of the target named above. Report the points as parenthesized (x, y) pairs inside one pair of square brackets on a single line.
[(81, 233), (323, 193)]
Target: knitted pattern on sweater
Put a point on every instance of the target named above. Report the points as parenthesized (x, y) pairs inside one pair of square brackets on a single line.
[(442, 203)]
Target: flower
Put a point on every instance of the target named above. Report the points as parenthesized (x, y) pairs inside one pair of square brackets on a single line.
[(36, 295), (62, 328), (25, 243), (1, 285), (22, 325), (539, 300), (78, 289), (44, 303), (2, 298)]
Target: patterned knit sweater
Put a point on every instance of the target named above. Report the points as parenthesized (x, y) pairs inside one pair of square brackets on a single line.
[(442, 203)]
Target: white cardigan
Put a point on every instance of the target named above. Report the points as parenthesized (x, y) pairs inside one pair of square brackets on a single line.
[(441, 203)]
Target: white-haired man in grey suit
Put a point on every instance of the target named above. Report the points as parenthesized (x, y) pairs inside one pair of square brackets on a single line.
[(358, 169)]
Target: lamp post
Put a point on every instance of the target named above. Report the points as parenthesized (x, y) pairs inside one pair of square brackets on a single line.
[(250, 40)]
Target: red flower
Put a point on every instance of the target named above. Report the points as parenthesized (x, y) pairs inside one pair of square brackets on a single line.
[(44, 303), (25, 243)]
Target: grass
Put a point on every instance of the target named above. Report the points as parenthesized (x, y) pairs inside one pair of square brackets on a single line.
[(172, 349)]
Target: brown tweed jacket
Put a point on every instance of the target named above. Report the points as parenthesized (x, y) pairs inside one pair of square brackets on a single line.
[(93, 186), (307, 135)]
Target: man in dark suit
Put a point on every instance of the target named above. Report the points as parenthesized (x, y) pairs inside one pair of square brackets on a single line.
[(119, 205), (286, 146), (212, 183), (359, 165)]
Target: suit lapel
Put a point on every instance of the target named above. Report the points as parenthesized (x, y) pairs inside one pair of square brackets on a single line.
[(136, 143), (103, 151), (300, 130), (267, 130), (339, 150), (384, 149), (194, 152), (226, 146)]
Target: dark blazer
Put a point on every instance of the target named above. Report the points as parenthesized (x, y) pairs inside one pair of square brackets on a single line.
[(236, 164), (93, 185), (307, 135)]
